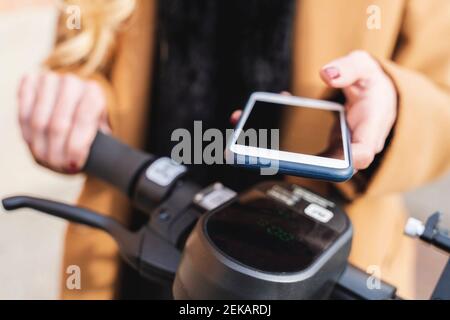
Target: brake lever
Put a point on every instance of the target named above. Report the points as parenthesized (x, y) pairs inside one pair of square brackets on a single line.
[(144, 250)]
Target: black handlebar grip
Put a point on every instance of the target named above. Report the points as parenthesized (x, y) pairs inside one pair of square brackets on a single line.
[(115, 162)]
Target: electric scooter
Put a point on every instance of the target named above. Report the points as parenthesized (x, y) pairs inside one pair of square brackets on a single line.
[(276, 240)]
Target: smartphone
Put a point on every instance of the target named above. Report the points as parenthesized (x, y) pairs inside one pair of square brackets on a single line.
[(313, 142)]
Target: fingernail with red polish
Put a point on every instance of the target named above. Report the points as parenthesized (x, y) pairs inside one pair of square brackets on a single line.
[(332, 73), (73, 168)]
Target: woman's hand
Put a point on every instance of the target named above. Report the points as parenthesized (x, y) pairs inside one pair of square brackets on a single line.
[(371, 107), (59, 116)]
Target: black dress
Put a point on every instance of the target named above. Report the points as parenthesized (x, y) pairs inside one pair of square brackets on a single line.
[(211, 55)]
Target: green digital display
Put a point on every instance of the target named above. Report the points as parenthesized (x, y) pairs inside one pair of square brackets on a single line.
[(268, 235), (275, 231)]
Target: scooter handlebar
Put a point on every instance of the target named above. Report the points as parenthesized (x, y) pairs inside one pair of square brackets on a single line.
[(115, 162)]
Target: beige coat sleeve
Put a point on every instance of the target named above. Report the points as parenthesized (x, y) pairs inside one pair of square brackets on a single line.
[(420, 147)]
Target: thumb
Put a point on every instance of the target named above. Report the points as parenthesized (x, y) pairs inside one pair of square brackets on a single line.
[(235, 116), (343, 72), (362, 156)]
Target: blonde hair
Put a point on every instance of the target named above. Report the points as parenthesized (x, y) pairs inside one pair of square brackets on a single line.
[(86, 49)]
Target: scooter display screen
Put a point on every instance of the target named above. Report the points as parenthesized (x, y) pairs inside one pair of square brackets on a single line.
[(269, 236)]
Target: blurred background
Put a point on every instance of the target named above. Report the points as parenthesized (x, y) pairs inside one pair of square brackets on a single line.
[(31, 244)]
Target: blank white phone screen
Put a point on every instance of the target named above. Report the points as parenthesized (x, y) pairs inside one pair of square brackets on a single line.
[(305, 130)]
